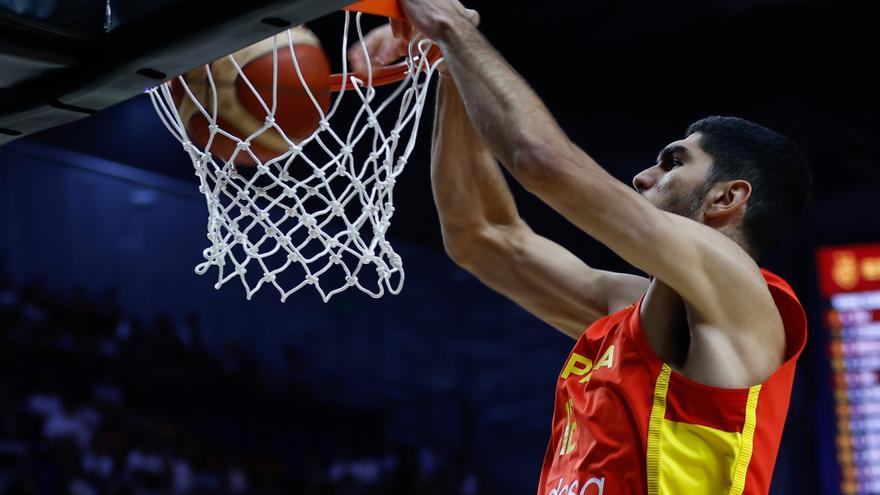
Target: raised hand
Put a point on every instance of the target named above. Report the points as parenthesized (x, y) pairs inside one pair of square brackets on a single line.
[(382, 44), (388, 43), (431, 17)]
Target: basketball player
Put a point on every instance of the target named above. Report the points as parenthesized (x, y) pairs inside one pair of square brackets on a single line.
[(679, 383)]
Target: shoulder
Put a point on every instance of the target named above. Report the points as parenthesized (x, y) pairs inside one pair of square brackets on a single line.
[(791, 311)]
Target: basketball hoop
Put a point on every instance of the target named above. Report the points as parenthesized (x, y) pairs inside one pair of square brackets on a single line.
[(315, 211)]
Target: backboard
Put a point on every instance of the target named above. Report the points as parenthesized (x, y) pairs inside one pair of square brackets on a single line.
[(63, 61)]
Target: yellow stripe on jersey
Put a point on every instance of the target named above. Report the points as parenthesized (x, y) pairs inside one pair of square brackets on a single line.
[(655, 429), (745, 454)]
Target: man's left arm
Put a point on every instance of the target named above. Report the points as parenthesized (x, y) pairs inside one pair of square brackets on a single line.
[(705, 267)]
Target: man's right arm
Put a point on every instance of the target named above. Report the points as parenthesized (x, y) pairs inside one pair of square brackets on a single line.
[(483, 233)]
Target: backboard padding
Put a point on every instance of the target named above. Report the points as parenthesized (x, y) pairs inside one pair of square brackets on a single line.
[(54, 76)]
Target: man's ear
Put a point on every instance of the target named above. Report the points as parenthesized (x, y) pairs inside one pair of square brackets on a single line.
[(727, 198)]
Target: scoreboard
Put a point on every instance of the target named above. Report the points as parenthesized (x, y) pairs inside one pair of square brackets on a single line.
[(849, 278)]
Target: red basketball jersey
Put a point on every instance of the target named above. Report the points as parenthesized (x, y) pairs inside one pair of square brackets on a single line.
[(625, 423)]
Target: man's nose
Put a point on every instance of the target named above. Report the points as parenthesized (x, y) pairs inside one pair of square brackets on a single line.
[(644, 180)]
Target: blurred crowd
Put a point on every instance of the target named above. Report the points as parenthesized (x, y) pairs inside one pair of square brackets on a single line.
[(94, 401)]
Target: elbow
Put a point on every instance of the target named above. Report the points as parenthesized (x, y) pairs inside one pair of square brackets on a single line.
[(469, 248), (489, 245), (459, 246), (456, 251), (538, 164)]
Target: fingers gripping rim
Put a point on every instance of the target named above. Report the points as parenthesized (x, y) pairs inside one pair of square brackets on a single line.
[(382, 76), (389, 74)]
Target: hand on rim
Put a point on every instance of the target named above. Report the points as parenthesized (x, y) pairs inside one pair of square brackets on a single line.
[(388, 43), (383, 46), (431, 16)]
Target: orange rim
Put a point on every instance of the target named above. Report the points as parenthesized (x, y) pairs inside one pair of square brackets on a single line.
[(382, 76), (387, 8), (388, 74)]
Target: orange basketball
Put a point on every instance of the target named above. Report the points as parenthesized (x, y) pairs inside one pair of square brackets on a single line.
[(239, 111)]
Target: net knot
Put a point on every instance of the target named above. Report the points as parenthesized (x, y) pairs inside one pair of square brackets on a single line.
[(269, 121), (240, 271), (396, 261), (269, 278), (293, 257), (262, 169), (351, 280), (324, 125), (296, 149), (336, 209), (347, 150), (243, 145), (335, 259), (386, 184), (311, 279)]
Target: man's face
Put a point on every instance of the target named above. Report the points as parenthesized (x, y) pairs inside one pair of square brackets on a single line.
[(677, 183)]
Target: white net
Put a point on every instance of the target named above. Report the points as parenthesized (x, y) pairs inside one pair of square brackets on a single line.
[(317, 213)]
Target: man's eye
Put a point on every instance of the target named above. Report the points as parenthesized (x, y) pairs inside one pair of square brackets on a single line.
[(668, 164)]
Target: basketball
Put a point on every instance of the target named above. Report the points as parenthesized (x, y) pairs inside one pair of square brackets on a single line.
[(242, 114)]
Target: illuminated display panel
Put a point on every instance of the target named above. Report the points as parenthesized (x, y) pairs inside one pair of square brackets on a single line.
[(849, 279)]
